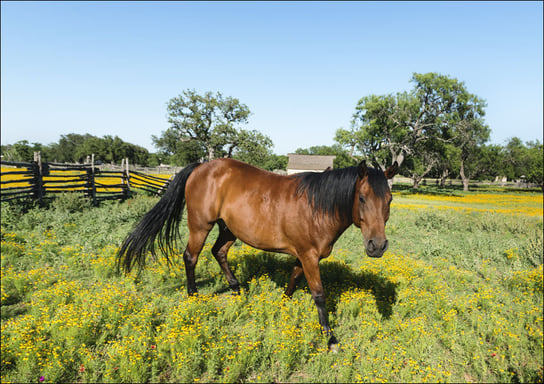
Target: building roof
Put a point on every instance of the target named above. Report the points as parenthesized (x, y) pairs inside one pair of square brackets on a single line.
[(309, 162)]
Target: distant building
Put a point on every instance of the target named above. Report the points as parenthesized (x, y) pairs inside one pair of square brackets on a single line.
[(308, 163)]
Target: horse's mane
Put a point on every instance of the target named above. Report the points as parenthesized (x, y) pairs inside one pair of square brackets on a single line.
[(332, 192)]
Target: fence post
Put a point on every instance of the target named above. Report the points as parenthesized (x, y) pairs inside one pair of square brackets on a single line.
[(128, 179), (38, 174), (123, 178), (93, 185)]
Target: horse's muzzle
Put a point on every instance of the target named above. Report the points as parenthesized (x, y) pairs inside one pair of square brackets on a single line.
[(376, 247)]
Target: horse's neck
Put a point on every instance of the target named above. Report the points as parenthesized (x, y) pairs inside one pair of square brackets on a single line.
[(340, 229)]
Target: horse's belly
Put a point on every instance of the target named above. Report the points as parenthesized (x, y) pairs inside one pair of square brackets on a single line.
[(263, 226)]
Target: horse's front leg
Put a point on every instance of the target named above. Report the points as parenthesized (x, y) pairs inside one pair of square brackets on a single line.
[(310, 265)]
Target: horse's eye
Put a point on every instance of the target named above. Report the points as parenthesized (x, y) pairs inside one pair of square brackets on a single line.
[(361, 199)]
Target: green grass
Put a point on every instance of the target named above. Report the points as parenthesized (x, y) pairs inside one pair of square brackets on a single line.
[(457, 298)]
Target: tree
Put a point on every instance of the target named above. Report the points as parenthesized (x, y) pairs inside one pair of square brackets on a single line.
[(20, 151), (523, 160), (535, 163), (467, 130), (378, 130), (425, 158), (68, 149), (513, 158), (8, 152), (250, 146), (173, 151), (209, 119), (352, 139), (489, 157), (75, 148), (391, 126), (419, 123), (274, 162), (448, 161), (23, 151)]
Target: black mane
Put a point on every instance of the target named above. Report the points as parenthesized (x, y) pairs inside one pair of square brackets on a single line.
[(333, 192)]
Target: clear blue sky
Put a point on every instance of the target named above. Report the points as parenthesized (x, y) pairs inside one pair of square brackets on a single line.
[(301, 67)]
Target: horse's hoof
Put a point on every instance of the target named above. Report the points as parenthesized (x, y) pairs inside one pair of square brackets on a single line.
[(333, 344)]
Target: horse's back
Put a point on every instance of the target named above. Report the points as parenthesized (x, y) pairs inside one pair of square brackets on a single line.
[(226, 174), (256, 205)]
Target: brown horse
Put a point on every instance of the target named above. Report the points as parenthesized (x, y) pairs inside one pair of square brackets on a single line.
[(302, 215)]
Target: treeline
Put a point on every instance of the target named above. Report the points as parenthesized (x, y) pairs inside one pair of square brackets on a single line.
[(515, 161), (75, 148), (251, 147)]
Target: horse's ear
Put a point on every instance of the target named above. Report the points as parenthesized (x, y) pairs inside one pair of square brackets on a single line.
[(363, 170), (392, 170)]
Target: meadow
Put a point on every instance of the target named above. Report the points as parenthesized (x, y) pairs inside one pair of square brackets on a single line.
[(457, 298)]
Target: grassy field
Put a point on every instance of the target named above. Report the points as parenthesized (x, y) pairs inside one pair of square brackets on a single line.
[(457, 298)]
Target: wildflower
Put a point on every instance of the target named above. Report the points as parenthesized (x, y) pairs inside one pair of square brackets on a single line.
[(81, 368), (42, 378)]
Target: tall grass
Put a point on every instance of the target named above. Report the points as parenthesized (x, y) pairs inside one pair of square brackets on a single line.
[(457, 298)]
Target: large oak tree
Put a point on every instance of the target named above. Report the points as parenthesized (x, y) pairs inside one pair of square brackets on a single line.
[(209, 119)]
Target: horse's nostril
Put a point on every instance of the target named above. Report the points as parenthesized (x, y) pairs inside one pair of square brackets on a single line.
[(377, 247)]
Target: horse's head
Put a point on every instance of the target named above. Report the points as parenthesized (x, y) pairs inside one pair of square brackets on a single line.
[(371, 206)]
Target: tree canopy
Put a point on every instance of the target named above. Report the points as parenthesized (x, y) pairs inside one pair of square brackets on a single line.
[(75, 148), (208, 119), (438, 118), (206, 126)]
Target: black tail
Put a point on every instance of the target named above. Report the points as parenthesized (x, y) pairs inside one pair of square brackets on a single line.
[(167, 211)]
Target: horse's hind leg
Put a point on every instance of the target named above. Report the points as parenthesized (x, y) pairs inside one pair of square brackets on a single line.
[(296, 275), (190, 256), (220, 250)]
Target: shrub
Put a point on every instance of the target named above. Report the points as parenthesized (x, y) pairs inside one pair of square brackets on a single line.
[(71, 202)]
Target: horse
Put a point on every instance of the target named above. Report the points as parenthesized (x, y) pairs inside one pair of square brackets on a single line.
[(302, 215)]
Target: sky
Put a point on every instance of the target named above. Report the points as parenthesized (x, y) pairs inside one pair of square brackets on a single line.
[(109, 68)]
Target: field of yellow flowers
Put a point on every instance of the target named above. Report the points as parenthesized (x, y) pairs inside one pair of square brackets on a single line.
[(457, 298)]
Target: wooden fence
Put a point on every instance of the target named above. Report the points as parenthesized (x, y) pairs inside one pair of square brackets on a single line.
[(39, 181)]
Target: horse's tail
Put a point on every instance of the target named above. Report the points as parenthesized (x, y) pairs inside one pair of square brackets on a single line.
[(161, 222)]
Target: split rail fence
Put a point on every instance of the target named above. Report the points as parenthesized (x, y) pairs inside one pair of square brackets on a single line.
[(42, 180)]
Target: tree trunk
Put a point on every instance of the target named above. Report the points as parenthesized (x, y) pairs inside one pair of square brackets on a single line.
[(416, 180), (211, 152), (463, 176), (351, 150), (445, 174)]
